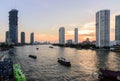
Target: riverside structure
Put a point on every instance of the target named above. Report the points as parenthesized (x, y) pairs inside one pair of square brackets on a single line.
[(103, 28), (22, 37), (32, 38), (117, 28), (76, 36), (13, 26), (61, 35)]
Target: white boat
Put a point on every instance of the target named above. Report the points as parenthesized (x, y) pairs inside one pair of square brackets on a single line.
[(63, 61)]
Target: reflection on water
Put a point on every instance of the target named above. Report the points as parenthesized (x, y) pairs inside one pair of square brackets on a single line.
[(46, 68)]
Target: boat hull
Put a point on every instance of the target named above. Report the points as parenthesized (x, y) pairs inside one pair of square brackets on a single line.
[(64, 62), (109, 75), (33, 56)]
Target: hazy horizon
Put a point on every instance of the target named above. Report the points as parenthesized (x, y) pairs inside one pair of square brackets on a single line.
[(44, 17)]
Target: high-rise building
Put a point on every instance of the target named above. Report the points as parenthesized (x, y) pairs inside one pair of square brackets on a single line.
[(103, 28), (76, 36), (32, 38), (61, 35), (117, 28), (22, 37), (13, 26), (7, 37)]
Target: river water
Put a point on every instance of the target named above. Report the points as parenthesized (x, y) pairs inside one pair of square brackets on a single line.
[(84, 63)]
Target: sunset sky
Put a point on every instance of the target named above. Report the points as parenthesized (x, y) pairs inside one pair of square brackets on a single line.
[(44, 17)]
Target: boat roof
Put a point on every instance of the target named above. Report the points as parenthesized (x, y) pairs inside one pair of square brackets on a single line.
[(110, 72), (64, 59)]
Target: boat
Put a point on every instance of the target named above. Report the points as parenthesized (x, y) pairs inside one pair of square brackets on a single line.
[(18, 74), (50, 46), (109, 75), (63, 61), (33, 56), (37, 48)]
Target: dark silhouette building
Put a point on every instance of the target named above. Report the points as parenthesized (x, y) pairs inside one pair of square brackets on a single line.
[(13, 26), (7, 37), (22, 37), (32, 38)]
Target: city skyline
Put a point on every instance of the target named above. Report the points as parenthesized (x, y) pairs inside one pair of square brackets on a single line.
[(47, 16)]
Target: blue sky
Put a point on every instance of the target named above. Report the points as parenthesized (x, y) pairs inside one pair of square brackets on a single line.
[(44, 17)]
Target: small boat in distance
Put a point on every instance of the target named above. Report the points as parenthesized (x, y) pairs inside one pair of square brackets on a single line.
[(63, 61), (50, 46), (33, 56), (109, 75), (37, 48)]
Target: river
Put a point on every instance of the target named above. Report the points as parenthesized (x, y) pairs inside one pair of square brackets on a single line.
[(46, 68)]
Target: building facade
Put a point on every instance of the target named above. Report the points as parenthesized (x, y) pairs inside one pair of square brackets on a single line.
[(22, 37), (76, 36), (7, 37), (117, 28), (32, 38), (103, 28), (13, 26), (61, 35)]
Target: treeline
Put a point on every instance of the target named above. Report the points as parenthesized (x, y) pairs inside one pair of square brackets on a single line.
[(4, 46), (80, 46)]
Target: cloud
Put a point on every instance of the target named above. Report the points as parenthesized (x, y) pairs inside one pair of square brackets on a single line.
[(90, 34), (89, 25)]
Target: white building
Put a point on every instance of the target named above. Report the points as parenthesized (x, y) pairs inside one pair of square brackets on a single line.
[(61, 35), (76, 36), (103, 28)]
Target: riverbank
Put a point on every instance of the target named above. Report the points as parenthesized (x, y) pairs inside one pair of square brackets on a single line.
[(82, 46)]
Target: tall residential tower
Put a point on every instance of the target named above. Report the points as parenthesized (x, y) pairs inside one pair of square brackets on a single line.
[(22, 37), (7, 37), (76, 36), (32, 38), (61, 35), (117, 28), (103, 28), (13, 26)]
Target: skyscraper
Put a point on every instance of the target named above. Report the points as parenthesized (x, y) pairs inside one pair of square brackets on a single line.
[(103, 28), (7, 37), (32, 38), (22, 37), (76, 36), (13, 26), (117, 28), (61, 35)]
